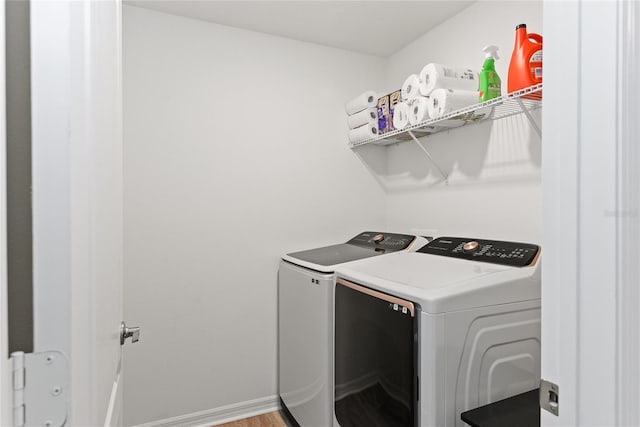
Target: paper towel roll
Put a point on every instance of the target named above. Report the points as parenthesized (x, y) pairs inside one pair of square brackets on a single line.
[(437, 76), (419, 110), (443, 101), (362, 118), (364, 132), (401, 115), (361, 102), (410, 87)]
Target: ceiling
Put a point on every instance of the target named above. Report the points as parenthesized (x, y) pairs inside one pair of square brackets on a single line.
[(372, 27)]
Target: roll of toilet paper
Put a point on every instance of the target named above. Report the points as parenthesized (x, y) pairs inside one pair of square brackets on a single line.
[(361, 102), (362, 118), (419, 111), (401, 115), (410, 87), (364, 132), (437, 76), (443, 101)]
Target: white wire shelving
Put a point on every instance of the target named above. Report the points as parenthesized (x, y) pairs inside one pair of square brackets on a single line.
[(521, 102)]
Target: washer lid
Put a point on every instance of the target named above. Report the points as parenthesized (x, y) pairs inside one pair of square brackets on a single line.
[(365, 245), (330, 256), (442, 284)]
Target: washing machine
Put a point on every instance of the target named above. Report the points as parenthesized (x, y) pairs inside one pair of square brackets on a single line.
[(305, 320), (421, 337)]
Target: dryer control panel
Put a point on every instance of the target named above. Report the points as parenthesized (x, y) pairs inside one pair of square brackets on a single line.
[(387, 242), (514, 254)]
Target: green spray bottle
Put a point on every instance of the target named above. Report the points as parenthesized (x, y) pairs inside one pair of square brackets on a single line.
[(490, 84)]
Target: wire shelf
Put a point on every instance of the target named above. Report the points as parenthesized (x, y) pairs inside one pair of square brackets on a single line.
[(522, 101)]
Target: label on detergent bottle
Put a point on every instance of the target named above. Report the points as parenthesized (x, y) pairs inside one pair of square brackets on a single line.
[(536, 57), (535, 64)]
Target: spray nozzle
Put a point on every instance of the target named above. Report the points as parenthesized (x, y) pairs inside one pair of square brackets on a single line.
[(491, 51)]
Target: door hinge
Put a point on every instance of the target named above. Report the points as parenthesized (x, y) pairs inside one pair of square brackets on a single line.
[(40, 388), (549, 396)]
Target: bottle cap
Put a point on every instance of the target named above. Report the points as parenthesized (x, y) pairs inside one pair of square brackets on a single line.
[(521, 26)]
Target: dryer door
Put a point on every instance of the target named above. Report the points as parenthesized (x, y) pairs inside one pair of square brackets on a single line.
[(376, 344)]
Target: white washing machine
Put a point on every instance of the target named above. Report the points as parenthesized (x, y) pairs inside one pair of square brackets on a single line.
[(421, 337), (305, 320)]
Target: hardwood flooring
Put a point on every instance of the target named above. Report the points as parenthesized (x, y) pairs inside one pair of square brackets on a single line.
[(272, 419)]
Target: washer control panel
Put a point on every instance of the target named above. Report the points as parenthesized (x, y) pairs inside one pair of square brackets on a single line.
[(514, 254), (387, 242)]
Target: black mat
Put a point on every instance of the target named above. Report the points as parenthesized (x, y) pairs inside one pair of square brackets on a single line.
[(522, 410)]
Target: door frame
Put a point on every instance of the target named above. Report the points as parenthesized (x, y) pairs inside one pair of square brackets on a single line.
[(590, 212), (70, 44), (76, 153), (567, 296)]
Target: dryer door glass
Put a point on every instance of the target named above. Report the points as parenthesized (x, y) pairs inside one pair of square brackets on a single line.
[(375, 358)]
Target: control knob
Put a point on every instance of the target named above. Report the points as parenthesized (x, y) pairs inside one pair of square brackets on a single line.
[(471, 246), (378, 238)]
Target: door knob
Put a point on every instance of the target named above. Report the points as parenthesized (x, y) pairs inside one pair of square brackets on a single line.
[(132, 332)]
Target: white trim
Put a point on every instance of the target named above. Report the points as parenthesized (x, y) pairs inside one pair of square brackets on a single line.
[(628, 216), (50, 110), (597, 222), (221, 415), (591, 343), (560, 239), (77, 198)]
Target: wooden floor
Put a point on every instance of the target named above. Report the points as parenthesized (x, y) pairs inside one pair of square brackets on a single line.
[(272, 419)]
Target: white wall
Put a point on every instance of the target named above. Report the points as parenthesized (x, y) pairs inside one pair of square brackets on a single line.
[(494, 183), (213, 198)]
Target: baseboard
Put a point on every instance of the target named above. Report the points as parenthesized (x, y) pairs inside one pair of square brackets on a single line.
[(221, 415)]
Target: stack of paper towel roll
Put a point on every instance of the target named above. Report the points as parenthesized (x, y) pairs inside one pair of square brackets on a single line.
[(437, 90), (362, 117)]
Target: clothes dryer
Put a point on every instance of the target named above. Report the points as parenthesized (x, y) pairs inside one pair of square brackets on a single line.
[(305, 320), (421, 337)]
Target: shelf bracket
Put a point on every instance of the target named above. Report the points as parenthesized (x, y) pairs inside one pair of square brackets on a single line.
[(527, 113), (371, 171), (424, 150)]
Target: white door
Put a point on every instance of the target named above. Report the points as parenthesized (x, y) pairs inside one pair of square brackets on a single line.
[(77, 198), (590, 294)]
